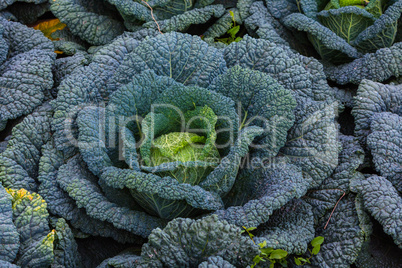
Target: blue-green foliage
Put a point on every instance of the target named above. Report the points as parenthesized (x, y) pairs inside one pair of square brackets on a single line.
[(99, 22), (140, 79), (26, 53), (171, 139), (26, 238)]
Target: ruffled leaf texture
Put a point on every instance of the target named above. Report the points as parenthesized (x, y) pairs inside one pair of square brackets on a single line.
[(91, 20), (378, 116), (373, 98), (382, 201), (27, 59), (159, 85), (19, 163), (344, 236), (188, 243), (385, 144), (325, 197), (120, 73), (26, 238), (378, 66), (311, 151), (290, 228), (99, 23), (371, 48)]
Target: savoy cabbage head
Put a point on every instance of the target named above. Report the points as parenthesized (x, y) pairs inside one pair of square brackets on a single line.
[(158, 128), (356, 40), (358, 31)]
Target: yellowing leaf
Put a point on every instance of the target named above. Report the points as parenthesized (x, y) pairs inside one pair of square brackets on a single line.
[(50, 26)]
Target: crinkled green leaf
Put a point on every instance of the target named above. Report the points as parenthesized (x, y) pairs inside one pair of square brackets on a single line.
[(187, 242), (293, 71), (347, 22), (81, 185), (324, 198), (290, 228), (6, 3), (181, 22), (88, 19), (30, 217), (384, 203), (374, 98), (19, 162), (61, 204), (9, 237), (378, 66), (66, 249), (185, 58), (343, 236), (217, 262), (27, 73), (382, 33), (385, 144), (330, 46)]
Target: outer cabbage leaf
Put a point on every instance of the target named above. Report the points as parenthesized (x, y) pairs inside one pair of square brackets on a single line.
[(385, 144), (187, 242), (383, 202), (82, 187), (181, 22), (125, 259), (216, 262), (19, 162), (61, 204), (9, 237), (344, 235), (311, 154), (290, 228), (325, 197), (293, 71), (374, 98), (265, 26), (134, 11), (328, 44), (66, 66), (89, 19), (378, 66), (66, 249), (86, 86), (27, 73), (194, 61), (7, 264), (31, 220)]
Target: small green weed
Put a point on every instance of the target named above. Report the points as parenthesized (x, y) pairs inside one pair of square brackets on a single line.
[(230, 35), (280, 256)]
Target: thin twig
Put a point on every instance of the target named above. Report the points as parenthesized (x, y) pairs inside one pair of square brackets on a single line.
[(334, 210), (152, 14)]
